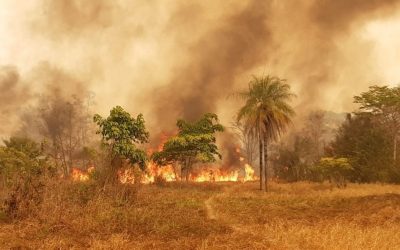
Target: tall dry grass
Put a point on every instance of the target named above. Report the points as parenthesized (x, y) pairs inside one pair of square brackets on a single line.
[(311, 216), (84, 215), (175, 216)]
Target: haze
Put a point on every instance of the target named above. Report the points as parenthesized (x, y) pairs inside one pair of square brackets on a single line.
[(183, 59)]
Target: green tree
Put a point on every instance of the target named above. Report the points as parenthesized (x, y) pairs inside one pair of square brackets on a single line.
[(267, 113), (195, 142), (384, 103), (19, 159), (368, 146), (120, 132)]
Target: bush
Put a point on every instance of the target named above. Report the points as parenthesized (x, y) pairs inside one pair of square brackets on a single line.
[(335, 170), (21, 173)]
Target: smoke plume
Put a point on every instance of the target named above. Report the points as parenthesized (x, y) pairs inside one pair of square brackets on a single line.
[(231, 47), (12, 94), (180, 59)]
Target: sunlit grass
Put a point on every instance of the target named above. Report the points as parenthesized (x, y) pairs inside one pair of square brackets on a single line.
[(290, 216)]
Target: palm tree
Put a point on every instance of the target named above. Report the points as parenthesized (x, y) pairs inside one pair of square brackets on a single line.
[(266, 114)]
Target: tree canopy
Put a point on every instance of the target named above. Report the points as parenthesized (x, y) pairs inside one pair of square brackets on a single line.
[(195, 142), (120, 132), (368, 146), (266, 108), (383, 103), (379, 100)]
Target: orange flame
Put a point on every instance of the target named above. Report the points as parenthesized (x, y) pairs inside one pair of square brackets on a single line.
[(249, 170), (168, 173), (79, 175), (216, 175)]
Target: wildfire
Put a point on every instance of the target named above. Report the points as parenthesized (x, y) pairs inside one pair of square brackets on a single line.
[(79, 175), (169, 173), (126, 176), (249, 170), (216, 175)]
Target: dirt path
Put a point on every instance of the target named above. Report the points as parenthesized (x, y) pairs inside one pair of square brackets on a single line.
[(209, 208), (212, 213)]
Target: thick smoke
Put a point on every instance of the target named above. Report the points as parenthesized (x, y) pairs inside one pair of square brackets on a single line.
[(329, 62), (21, 102), (75, 17), (298, 41), (180, 59), (231, 47), (13, 93), (341, 15)]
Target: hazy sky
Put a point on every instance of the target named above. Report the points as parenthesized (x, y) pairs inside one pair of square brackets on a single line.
[(185, 57)]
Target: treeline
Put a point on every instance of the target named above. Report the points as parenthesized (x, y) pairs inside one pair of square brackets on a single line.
[(363, 148), (60, 133)]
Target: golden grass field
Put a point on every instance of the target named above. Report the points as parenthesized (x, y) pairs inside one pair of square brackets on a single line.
[(209, 216)]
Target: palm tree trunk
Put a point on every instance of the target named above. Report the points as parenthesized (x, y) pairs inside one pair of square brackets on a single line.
[(261, 164), (394, 148), (265, 144)]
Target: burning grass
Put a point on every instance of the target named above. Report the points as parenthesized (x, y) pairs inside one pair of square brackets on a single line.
[(177, 216)]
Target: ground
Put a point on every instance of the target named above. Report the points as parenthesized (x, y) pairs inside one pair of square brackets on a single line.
[(212, 216)]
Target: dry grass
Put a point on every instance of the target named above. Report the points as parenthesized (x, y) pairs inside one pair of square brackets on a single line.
[(177, 216), (311, 216)]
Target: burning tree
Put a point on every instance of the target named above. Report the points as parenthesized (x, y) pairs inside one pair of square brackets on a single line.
[(119, 133), (194, 143)]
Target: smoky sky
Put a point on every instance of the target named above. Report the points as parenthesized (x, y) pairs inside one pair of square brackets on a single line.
[(231, 47), (12, 95), (181, 59)]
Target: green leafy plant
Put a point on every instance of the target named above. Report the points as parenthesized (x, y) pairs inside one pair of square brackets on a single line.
[(21, 170), (195, 142), (120, 133)]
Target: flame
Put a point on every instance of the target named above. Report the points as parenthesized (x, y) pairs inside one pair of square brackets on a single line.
[(216, 175), (126, 176), (79, 175), (168, 173), (249, 170), (206, 174)]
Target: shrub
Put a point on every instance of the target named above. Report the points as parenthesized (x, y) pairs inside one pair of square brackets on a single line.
[(21, 174), (336, 170)]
